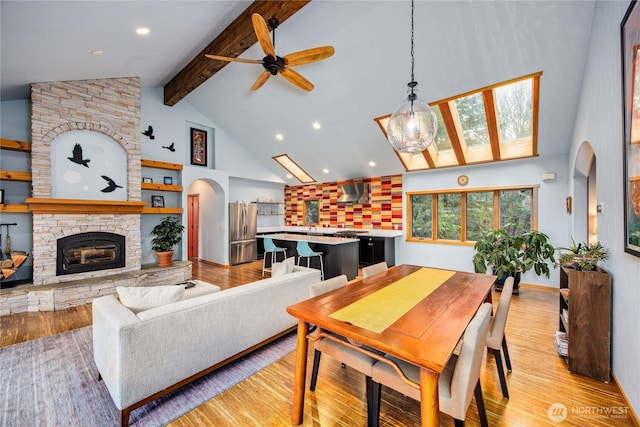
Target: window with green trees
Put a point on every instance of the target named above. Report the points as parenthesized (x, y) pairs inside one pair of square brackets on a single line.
[(464, 216)]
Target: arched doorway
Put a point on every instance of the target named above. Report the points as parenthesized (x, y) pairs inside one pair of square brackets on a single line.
[(585, 202)]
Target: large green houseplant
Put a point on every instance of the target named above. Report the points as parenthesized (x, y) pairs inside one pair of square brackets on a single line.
[(512, 254), (583, 256), (167, 234)]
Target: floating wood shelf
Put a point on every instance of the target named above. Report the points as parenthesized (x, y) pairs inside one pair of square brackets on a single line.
[(162, 211), (161, 165), (81, 206), (10, 144), (14, 208), (15, 176), (160, 187)]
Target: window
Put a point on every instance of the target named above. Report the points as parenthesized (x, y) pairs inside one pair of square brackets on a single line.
[(491, 124), (311, 211), (292, 167), (452, 216)]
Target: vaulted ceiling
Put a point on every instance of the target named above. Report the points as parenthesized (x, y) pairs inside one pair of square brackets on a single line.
[(459, 46)]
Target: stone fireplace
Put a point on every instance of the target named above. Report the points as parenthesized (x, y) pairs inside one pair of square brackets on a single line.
[(72, 195)]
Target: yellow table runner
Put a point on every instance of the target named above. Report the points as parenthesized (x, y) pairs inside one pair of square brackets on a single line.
[(376, 312)]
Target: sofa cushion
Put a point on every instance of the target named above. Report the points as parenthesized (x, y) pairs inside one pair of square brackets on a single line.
[(140, 298), (282, 268)]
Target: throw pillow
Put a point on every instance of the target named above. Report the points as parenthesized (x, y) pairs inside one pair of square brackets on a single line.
[(140, 298), (282, 268)]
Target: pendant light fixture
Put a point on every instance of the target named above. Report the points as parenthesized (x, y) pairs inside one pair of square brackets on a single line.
[(412, 127)]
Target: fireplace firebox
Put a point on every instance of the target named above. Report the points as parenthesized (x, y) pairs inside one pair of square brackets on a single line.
[(80, 253)]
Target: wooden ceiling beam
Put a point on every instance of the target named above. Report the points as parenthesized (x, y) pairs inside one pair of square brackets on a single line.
[(232, 42)]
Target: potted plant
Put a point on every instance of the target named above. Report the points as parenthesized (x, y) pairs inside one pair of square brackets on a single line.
[(168, 233), (511, 255), (583, 256)]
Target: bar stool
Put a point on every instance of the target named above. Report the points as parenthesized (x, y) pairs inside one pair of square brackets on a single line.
[(269, 246), (304, 250)]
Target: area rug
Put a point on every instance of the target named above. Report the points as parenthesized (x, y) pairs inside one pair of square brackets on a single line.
[(53, 381)]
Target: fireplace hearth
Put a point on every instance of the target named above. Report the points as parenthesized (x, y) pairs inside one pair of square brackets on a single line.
[(92, 251)]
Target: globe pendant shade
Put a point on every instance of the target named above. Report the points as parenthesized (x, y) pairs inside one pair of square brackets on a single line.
[(412, 128)]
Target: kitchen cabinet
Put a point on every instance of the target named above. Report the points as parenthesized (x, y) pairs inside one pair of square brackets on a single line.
[(377, 249)]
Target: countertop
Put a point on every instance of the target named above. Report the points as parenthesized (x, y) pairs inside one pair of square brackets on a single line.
[(325, 240), (330, 231)]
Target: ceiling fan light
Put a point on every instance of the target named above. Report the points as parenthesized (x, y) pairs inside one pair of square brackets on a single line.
[(412, 127)]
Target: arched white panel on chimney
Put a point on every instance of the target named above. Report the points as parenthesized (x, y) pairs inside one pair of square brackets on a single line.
[(97, 170)]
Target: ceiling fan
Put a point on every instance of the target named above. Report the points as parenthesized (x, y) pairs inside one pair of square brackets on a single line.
[(274, 64)]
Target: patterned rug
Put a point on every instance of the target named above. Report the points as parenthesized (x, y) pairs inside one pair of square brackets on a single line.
[(53, 381)]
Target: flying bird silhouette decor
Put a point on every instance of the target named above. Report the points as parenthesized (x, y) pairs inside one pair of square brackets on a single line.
[(111, 185), (171, 147), (149, 133), (77, 156)]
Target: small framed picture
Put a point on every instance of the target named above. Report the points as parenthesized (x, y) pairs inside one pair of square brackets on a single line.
[(1, 197), (198, 147), (168, 180), (157, 201), (147, 179)]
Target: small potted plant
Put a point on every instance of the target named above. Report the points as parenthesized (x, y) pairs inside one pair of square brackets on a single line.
[(511, 255), (583, 256), (167, 234)]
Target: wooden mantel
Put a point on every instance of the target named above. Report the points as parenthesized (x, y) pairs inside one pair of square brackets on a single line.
[(78, 206)]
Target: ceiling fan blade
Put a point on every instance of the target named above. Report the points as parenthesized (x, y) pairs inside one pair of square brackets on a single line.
[(225, 58), (262, 78), (297, 79), (262, 33), (309, 55)]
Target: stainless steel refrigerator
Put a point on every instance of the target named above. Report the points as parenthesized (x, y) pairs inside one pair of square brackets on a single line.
[(243, 222)]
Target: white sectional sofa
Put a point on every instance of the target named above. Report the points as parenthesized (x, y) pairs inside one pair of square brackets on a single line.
[(143, 356)]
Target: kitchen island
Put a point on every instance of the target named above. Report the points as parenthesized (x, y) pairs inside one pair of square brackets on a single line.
[(340, 255)]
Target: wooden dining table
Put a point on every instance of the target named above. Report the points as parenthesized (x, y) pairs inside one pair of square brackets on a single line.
[(415, 313)]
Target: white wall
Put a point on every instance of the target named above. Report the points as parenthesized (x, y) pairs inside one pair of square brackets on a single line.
[(600, 122), (552, 215), (250, 191)]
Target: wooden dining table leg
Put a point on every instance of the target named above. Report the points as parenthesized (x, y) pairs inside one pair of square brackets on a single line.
[(429, 407), (297, 411)]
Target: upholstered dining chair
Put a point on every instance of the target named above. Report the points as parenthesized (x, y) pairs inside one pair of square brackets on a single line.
[(457, 384), (496, 337), (305, 251), (270, 247), (338, 347), (374, 269)]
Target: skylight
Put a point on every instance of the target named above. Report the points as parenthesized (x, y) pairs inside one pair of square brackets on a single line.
[(491, 124), (293, 168)]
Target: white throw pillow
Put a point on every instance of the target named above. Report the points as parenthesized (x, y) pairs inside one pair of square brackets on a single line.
[(282, 268), (140, 298)]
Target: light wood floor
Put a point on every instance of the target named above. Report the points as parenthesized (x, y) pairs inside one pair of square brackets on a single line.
[(539, 378)]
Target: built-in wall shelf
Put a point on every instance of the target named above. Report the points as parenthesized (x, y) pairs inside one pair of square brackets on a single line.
[(10, 144), (161, 165), (160, 187), (13, 208), (165, 211), (15, 176)]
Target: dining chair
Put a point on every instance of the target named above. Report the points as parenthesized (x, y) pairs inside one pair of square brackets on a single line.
[(374, 269), (270, 247), (496, 337), (305, 251), (457, 384), (338, 347)]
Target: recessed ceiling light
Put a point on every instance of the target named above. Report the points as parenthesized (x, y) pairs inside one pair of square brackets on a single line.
[(316, 125), (279, 136), (325, 170), (289, 176), (372, 163), (97, 52), (142, 31)]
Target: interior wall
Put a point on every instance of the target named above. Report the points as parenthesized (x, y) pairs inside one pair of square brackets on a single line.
[(553, 219), (600, 122)]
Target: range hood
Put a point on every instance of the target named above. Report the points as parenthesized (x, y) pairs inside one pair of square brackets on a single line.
[(356, 192)]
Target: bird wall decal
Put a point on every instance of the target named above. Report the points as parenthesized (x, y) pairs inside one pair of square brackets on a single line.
[(77, 156), (170, 147), (111, 185), (149, 133)]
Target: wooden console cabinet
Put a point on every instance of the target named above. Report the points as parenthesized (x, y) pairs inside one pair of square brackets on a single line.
[(585, 315)]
